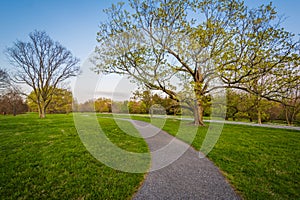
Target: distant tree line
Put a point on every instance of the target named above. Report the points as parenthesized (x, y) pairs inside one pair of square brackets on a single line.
[(240, 106), (61, 102), (11, 102), (140, 103)]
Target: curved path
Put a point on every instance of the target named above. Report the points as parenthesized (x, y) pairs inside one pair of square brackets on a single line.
[(188, 177)]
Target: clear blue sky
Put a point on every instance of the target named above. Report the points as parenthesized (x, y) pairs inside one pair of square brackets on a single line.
[(71, 22), (74, 23)]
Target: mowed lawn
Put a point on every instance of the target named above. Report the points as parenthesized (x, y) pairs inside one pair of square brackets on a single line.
[(261, 163), (45, 159)]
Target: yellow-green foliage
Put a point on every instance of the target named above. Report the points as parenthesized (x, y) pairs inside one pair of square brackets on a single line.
[(61, 102)]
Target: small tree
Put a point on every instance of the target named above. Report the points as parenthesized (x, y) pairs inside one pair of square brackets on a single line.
[(87, 106), (103, 105), (42, 64), (4, 80), (12, 102), (291, 104)]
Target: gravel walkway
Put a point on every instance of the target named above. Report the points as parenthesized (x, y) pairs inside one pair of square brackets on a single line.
[(187, 177)]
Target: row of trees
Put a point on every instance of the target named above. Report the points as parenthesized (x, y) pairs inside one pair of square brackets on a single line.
[(11, 102), (240, 106), (61, 102), (141, 103)]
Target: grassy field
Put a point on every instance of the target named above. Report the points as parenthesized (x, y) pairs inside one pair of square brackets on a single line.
[(261, 163), (45, 159)]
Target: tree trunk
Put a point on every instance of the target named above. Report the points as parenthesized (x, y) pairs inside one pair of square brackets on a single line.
[(287, 116), (198, 113), (14, 108), (198, 102), (259, 117), (42, 111), (292, 119), (258, 107)]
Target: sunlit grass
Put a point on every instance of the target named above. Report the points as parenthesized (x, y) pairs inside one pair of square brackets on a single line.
[(261, 163), (45, 159)]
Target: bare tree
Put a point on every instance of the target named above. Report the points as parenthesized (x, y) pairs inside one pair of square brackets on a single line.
[(12, 102), (4, 80), (42, 64)]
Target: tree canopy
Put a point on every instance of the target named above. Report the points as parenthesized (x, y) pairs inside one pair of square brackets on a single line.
[(188, 49), (61, 101)]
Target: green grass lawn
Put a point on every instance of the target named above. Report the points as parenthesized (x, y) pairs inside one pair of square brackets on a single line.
[(261, 163), (45, 159)]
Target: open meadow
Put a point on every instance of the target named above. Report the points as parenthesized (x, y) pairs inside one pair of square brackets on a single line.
[(45, 159)]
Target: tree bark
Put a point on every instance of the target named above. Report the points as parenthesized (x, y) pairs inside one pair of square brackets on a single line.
[(287, 116), (198, 113), (43, 113), (42, 110), (258, 108), (259, 117), (14, 108)]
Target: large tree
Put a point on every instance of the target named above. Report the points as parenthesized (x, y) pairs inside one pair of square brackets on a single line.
[(198, 42), (42, 64)]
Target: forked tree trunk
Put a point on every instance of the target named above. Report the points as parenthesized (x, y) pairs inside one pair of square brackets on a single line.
[(42, 110)]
